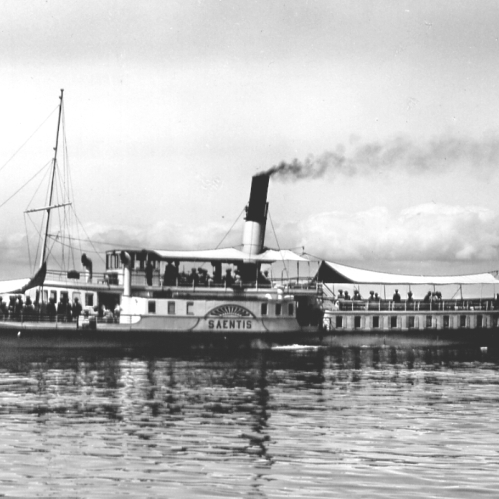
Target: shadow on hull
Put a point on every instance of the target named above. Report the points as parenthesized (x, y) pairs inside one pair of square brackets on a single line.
[(87, 338)]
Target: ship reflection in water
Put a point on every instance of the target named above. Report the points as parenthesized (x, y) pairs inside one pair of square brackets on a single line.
[(357, 422)]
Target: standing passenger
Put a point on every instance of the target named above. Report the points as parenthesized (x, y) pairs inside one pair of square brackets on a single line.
[(149, 270)]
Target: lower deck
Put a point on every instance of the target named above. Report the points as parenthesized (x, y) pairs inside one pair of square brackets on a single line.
[(409, 320)]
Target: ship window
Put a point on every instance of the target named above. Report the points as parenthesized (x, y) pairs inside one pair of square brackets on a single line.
[(151, 306), (428, 321), (393, 321), (53, 295), (76, 294), (190, 305), (64, 296), (89, 299), (446, 321), (278, 309), (45, 296), (410, 322), (339, 321), (171, 308), (291, 309), (356, 321), (462, 321), (376, 321), (479, 320), (264, 309)]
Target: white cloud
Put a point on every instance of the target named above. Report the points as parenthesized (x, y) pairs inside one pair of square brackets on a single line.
[(433, 232)]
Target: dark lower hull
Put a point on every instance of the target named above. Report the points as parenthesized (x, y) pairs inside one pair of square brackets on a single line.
[(69, 336)]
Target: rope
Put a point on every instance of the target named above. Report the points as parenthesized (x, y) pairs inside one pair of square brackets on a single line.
[(28, 139), (277, 242), (223, 238), (23, 186)]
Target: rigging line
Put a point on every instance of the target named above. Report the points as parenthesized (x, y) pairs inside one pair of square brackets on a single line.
[(313, 256), (27, 140), (26, 230), (223, 238), (23, 186), (38, 231), (38, 188), (59, 241), (277, 242), (89, 240)]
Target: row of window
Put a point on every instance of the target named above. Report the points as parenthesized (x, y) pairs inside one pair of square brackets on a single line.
[(278, 308), (411, 321)]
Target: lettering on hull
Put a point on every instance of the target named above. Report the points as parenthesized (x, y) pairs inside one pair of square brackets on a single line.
[(230, 324), (230, 317)]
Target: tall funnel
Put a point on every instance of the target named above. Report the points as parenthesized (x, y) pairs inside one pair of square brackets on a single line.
[(256, 216)]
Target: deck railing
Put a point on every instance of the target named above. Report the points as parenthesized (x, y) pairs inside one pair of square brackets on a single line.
[(416, 305), (183, 281)]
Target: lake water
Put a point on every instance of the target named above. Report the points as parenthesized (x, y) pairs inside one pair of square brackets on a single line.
[(293, 423)]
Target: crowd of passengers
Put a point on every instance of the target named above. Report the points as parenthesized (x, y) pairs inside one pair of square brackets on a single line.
[(23, 308), (430, 299), (172, 276)]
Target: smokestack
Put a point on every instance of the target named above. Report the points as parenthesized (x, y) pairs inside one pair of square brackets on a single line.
[(256, 215)]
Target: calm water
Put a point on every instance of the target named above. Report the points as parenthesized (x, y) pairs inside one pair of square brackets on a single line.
[(284, 423)]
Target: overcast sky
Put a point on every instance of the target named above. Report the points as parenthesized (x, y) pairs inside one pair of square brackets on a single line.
[(391, 107)]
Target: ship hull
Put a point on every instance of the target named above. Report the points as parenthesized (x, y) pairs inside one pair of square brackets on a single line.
[(102, 335)]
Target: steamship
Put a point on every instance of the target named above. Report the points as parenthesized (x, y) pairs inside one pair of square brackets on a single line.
[(246, 294)]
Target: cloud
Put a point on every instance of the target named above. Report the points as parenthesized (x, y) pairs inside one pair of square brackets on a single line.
[(428, 232), (452, 238)]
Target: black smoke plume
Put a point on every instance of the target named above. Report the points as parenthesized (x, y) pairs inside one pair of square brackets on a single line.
[(399, 154)]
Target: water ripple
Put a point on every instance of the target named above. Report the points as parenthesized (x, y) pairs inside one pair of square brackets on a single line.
[(286, 423)]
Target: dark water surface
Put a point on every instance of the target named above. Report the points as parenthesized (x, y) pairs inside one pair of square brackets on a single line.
[(356, 423)]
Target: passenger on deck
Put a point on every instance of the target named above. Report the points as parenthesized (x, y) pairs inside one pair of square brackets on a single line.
[(341, 296), (347, 296), (371, 296), (149, 271), (217, 272), (170, 275), (51, 311), (356, 295), (376, 297), (61, 311), (11, 309), (203, 276), (228, 278), (69, 311), (427, 298), (117, 312), (28, 309), (76, 308), (396, 296), (107, 315), (237, 278), (3, 309), (193, 277), (263, 278), (19, 306), (410, 298)]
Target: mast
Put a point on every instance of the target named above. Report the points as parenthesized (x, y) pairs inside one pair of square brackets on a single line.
[(52, 178)]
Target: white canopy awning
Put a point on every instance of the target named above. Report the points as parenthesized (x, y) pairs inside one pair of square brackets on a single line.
[(337, 273), (224, 255), (19, 286)]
